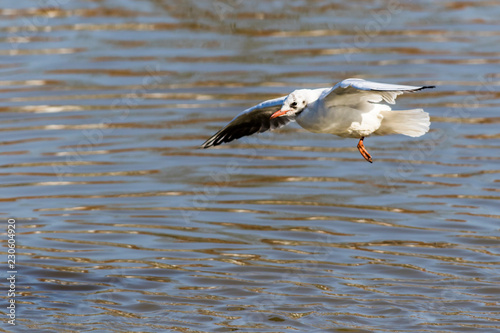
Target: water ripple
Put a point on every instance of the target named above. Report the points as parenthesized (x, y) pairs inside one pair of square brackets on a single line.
[(123, 223)]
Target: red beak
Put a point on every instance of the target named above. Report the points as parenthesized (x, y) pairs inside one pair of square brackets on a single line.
[(279, 113)]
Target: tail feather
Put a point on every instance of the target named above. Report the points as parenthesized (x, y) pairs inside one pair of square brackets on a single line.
[(413, 123)]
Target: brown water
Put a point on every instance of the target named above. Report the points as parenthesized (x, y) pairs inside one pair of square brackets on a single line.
[(123, 224)]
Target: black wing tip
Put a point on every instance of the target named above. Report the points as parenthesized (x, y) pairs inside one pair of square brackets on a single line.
[(207, 144), (215, 140), (425, 87)]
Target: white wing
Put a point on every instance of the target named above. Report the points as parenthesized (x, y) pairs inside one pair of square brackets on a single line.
[(252, 120), (361, 94)]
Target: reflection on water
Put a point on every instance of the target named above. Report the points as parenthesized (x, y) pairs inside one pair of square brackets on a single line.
[(125, 225)]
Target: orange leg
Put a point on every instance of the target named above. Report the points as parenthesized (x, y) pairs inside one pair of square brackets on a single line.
[(363, 151)]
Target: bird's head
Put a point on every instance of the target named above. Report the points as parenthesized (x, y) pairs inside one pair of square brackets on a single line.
[(294, 104)]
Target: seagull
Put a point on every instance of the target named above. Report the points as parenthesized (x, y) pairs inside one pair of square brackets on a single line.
[(353, 108)]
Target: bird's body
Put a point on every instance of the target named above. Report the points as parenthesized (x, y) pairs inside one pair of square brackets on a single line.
[(352, 108), (341, 120)]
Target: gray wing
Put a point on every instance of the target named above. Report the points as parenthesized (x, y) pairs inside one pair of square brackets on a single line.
[(361, 94), (252, 120)]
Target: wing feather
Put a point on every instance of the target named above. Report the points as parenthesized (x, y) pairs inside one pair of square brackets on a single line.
[(252, 120), (359, 93)]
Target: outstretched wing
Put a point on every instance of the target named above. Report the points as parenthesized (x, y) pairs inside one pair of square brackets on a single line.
[(252, 120), (361, 94)]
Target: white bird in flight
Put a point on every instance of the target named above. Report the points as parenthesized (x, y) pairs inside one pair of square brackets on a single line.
[(352, 108)]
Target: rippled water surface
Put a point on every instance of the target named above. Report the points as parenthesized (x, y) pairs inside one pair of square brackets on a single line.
[(124, 224)]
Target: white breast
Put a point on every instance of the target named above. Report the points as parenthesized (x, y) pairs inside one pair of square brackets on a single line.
[(353, 120)]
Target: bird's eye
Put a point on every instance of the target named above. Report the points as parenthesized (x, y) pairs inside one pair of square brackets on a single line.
[(294, 104)]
